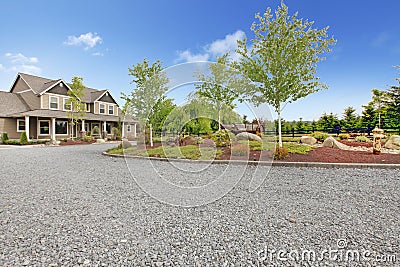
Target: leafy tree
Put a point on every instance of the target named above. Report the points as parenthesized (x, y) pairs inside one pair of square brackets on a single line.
[(218, 87), (151, 84), (379, 98), (77, 109), (161, 110), (282, 59)]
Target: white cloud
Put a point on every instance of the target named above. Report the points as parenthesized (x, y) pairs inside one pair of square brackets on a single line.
[(189, 57), (214, 49), (21, 63), (21, 59), (89, 40)]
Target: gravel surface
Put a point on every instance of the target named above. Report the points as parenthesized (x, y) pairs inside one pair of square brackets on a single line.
[(70, 206)]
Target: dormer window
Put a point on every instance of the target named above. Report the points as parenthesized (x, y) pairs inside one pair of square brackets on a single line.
[(53, 102), (67, 106), (87, 107), (111, 110), (102, 109)]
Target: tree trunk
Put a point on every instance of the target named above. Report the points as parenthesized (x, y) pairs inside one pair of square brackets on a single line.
[(280, 129), (151, 135), (219, 119)]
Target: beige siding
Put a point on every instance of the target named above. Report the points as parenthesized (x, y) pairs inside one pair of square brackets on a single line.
[(59, 90), (19, 86), (45, 101), (9, 125), (32, 100), (96, 107)]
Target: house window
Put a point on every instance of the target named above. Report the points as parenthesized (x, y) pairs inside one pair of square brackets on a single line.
[(110, 109), (20, 125), (87, 107), (53, 102), (61, 127), (44, 127), (67, 106), (128, 128), (102, 109)]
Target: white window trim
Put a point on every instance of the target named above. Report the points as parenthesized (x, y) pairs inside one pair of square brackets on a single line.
[(67, 127), (18, 130), (70, 105), (100, 108), (58, 102), (38, 128), (113, 110)]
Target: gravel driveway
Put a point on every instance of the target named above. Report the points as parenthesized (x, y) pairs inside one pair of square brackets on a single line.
[(69, 206)]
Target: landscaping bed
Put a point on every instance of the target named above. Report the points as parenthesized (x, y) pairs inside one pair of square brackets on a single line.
[(297, 153), (70, 142)]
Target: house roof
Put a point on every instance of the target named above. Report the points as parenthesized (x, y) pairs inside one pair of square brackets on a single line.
[(11, 103), (40, 85)]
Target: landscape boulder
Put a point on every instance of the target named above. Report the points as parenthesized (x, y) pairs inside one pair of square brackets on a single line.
[(393, 142), (100, 141), (308, 140), (332, 142), (248, 136)]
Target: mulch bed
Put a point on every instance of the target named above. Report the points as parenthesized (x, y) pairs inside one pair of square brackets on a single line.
[(75, 142), (320, 154)]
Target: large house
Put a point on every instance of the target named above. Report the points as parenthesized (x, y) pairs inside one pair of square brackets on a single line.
[(38, 106)]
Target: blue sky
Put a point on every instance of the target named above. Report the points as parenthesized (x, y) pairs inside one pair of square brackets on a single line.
[(99, 40)]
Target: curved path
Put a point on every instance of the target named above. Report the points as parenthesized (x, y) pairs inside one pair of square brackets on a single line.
[(67, 206)]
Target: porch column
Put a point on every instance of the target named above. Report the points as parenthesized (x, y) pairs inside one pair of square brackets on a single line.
[(83, 126), (134, 130), (53, 129), (104, 129), (27, 127), (123, 130)]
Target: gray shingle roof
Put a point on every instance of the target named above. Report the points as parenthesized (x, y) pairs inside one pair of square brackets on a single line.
[(40, 84), (11, 103)]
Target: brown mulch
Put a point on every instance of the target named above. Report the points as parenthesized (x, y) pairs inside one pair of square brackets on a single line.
[(334, 155), (75, 142)]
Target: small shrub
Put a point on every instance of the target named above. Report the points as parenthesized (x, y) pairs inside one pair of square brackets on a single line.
[(89, 133), (88, 138), (221, 138), (320, 136), (362, 138), (343, 136), (240, 150), (12, 142), (23, 140), (4, 138), (95, 131), (281, 153), (116, 133)]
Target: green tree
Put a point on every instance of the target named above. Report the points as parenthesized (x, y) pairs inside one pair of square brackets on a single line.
[(393, 105), (282, 59), (161, 110), (350, 118), (76, 108), (327, 121), (369, 116), (379, 98), (219, 88), (151, 84)]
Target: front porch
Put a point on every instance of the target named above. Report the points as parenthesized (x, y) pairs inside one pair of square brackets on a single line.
[(51, 128)]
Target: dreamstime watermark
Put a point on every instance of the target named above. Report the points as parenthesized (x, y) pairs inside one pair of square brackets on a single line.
[(190, 184), (338, 254)]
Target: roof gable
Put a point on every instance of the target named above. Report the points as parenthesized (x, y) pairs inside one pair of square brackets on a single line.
[(11, 103), (106, 97)]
